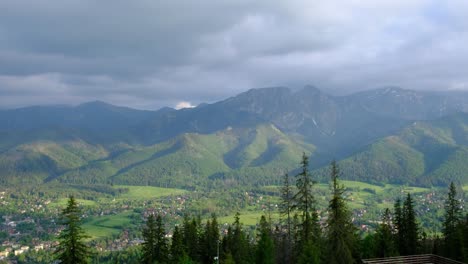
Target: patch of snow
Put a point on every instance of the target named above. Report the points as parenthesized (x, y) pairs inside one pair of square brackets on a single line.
[(315, 122)]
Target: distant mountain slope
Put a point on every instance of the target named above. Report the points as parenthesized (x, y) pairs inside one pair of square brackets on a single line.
[(387, 134), (96, 122), (425, 153), (39, 161), (185, 160), (258, 154)]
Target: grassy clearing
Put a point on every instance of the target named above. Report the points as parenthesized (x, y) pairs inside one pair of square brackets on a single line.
[(465, 188), (147, 192), (362, 185), (411, 189), (107, 226), (247, 218), (63, 202)]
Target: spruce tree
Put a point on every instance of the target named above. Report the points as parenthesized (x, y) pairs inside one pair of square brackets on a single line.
[(341, 237), (384, 246), (296, 238), (286, 204), (236, 242), (452, 218), (191, 237), (304, 199), (410, 228), (286, 208), (177, 246), (71, 248), (154, 246), (162, 248), (265, 246), (210, 240), (464, 232), (399, 228), (149, 241)]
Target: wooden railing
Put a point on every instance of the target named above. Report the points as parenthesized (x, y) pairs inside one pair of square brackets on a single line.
[(413, 259)]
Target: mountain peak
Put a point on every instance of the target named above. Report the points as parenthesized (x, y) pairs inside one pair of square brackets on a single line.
[(310, 90), (95, 103), (276, 89)]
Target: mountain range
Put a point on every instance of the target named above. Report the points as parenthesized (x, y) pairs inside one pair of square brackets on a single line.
[(387, 135)]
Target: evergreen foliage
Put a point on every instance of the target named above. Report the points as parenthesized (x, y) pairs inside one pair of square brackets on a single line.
[(71, 248), (304, 200), (286, 204), (155, 246), (236, 243), (383, 238), (411, 227), (286, 208), (464, 232), (191, 237), (399, 226), (177, 246), (341, 237), (406, 227), (265, 246), (451, 224), (210, 240)]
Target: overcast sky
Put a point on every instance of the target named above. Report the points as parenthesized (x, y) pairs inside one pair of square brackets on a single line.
[(152, 53)]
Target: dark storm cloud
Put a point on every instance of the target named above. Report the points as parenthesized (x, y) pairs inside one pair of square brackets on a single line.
[(149, 54)]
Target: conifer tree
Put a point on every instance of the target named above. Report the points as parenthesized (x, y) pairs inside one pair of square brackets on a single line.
[(177, 246), (236, 242), (450, 226), (464, 232), (286, 209), (399, 228), (149, 241), (154, 246), (296, 238), (265, 246), (384, 246), (191, 237), (162, 248), (210, 240), (410, 227), (71, 248), (341, 237), (304, 199), (286, 204)]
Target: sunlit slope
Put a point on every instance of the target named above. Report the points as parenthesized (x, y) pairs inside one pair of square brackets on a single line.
[(43, 160), (424, 153), (191, 158)]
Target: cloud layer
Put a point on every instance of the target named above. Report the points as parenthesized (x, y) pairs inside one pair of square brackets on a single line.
[(149, 54)]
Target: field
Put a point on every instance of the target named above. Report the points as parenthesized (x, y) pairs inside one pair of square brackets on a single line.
[(247, 218), (359, 195), (147, 192), (63, 202), (109, 225), (98, 227), (106, 226)]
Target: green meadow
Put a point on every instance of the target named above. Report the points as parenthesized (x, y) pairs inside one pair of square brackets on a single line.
[(147, 192), (108, 225), (63, 202), (359, 195), (247, 218)]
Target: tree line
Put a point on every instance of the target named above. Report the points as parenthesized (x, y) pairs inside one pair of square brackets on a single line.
[(301, 236)]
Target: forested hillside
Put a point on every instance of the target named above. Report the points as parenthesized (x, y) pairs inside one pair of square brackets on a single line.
[(385, 135)]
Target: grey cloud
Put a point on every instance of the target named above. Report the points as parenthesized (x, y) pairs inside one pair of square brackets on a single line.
[(149, 54)]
